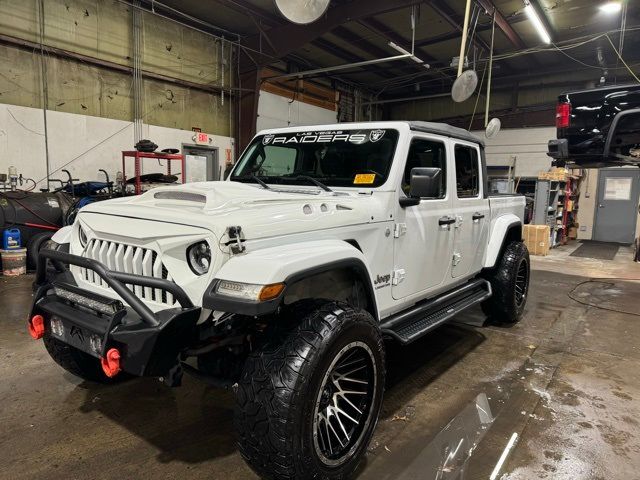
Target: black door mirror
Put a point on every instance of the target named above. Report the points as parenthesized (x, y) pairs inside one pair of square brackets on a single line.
[(425, 183)]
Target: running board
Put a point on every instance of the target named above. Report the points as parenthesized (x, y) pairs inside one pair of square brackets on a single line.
[(413, 323)]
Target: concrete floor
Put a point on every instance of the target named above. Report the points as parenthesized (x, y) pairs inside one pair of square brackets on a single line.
[(565, 380)]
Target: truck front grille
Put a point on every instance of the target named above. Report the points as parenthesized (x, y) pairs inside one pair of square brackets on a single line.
[(128, 259)]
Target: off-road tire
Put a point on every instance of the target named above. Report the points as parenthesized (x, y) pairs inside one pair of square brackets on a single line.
[(34, 245), (509, 298), (77, 362), (280, 389)]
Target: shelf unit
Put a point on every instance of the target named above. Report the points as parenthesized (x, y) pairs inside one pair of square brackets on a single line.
[(556, 205), (139, 156), (546, 208)]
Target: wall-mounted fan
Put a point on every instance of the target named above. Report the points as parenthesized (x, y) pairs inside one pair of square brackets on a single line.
[(464, 86), (493, 127), (302, 11)]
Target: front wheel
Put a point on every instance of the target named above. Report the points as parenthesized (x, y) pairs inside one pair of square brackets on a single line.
[(307, 403), (510, 284)]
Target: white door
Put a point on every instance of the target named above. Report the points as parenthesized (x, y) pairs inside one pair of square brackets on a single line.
[(422, 249), (471, 211)]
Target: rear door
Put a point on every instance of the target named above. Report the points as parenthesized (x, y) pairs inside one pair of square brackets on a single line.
[(617, 213), (471, 210), (422, 247)]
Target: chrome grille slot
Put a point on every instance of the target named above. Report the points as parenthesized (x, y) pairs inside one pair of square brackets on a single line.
[(128, 259)]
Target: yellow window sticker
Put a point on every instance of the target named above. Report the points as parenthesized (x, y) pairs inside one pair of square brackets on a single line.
[(364, 178)]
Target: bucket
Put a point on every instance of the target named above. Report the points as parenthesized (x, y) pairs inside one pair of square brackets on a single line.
[(14, 262)]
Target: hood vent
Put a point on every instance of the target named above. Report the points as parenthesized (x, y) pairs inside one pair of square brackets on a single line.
[(185, 196)]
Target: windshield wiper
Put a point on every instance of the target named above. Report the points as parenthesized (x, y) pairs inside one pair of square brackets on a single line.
[(253, 176), (314, 181)]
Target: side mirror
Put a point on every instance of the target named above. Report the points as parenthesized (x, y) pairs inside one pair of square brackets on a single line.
[(425, 183)]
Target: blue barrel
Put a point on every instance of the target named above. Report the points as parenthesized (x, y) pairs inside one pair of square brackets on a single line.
[(11, 239)]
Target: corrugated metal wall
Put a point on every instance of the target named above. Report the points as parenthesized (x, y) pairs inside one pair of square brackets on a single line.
[(102, 29)]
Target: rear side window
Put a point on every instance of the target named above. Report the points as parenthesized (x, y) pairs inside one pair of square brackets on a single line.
[(467, 172), (426, 153)]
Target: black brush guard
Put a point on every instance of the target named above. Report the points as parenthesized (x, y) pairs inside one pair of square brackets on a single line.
[(149, 343)]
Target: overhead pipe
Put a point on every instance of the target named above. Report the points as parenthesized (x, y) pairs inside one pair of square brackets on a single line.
[(463, 43), (405, 54), (493, 32)]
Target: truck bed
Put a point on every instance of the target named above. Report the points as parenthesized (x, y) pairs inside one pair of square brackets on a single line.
[(502, 204)]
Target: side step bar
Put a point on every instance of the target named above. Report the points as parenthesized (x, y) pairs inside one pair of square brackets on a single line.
[(411, 324)]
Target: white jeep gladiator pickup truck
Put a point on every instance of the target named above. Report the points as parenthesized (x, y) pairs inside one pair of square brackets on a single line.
[(283, 281)]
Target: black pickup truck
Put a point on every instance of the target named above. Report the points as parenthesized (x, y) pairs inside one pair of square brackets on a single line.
[(598, 127)]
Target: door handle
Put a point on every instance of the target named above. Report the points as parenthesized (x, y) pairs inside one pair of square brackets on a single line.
[(446, 221), (600, 205), (477, 216)]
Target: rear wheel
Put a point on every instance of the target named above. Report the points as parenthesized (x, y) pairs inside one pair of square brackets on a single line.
[(77, 362), (307, 404), (510, 285)]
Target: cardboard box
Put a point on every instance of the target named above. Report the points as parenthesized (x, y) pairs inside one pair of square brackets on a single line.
[(537, 238), (555, 174)]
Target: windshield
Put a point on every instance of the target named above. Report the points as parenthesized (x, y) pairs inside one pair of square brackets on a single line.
[(336, 158)]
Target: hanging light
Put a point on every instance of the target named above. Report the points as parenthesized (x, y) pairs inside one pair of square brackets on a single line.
[(535, 19), (611, 7)]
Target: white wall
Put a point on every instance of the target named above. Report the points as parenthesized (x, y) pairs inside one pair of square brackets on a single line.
[(90, 143), (275, 111), (527, 145)]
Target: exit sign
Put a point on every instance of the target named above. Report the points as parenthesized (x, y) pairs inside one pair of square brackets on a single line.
[(202, 138)]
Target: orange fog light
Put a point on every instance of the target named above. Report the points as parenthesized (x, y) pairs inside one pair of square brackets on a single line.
[(269, 292)]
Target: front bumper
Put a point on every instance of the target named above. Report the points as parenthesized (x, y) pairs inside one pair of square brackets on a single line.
[(149, 343)]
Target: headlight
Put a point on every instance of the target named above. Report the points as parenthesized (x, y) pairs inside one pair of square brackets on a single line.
[(249, 291), (82, 235), (199, 257)]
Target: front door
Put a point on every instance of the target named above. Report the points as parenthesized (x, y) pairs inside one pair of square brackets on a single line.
[(422, 247), (472, 211), (617, 207)]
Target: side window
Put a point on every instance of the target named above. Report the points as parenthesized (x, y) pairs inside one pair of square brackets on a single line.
[(467, 172), (281, 160), (426, 153)]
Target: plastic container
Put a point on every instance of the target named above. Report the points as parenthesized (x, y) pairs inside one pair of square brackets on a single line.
[(11, 239), (14, 262)]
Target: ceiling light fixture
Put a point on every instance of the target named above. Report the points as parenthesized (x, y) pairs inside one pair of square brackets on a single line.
[(535, 19), (611, 7)]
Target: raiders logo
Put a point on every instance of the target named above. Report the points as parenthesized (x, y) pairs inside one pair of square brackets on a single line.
[(266, 140), (376, 135)]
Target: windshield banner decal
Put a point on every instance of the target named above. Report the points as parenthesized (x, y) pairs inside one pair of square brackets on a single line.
[(333, 136)]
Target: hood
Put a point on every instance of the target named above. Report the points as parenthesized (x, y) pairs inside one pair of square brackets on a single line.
[(260, 212)]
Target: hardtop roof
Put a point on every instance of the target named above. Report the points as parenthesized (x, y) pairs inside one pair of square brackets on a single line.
[(418, 126), (446, 130)]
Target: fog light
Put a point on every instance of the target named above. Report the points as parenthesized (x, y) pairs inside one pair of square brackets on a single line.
[(57, 328), (95, 343)]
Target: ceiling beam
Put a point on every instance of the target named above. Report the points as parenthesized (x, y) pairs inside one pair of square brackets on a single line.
[(408, 66), (381, 29), (273, 21), (350, 57), (503, 24), (288, 37), (448, 15)]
